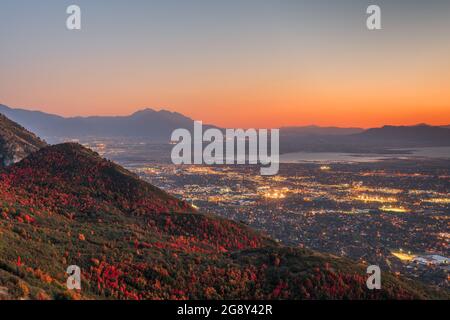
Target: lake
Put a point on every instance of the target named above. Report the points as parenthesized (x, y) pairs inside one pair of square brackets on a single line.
[(326, 157)]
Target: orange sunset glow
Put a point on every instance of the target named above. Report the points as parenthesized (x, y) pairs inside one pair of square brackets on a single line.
[(264, 70), (224, 158)]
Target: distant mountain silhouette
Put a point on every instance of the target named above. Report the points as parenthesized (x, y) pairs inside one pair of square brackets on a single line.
[(418, 135), (317, 130), (149, 124), (157, 126), (374, 140)]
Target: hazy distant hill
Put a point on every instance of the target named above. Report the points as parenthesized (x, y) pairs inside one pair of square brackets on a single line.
[(317, 130), (418, 135), (375, 140), (149, 124), (157, 126), (16, 142)]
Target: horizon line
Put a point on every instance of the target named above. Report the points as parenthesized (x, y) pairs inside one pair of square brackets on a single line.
[(211, 124)]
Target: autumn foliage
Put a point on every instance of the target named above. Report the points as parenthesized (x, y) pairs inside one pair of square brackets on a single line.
[(64, 205)]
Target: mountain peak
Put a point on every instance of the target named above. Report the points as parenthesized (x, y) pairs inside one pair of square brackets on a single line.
[(74, 169), (418, 125), (144, 111), (161, 112)]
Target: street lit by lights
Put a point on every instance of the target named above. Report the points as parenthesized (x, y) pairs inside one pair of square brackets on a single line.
[(394, 209)]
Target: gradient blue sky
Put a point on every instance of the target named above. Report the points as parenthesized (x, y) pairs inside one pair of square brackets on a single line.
[(263, 63)]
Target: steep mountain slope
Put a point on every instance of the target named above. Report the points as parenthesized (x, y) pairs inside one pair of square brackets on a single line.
[(64, 205), (16, 142)]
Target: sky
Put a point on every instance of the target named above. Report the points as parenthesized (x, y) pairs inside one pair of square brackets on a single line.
[(233, 63)]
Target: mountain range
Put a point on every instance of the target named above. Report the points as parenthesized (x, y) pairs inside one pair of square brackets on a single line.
[(387, 139), (64, 205), (157, 126), (149, 124)]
